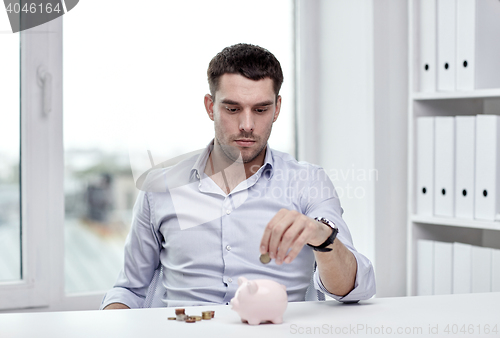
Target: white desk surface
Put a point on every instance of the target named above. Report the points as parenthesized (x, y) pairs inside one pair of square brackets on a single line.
[(430, 316)]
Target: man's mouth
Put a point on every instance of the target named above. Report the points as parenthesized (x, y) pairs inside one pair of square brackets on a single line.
[(245, 142)]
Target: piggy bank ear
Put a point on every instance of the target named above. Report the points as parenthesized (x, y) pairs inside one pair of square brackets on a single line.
[(252, 287), (241, 280)]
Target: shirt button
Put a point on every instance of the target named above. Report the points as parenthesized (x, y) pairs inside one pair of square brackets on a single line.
[(228, 247), (228, 211), (229, 280), (198, 176)]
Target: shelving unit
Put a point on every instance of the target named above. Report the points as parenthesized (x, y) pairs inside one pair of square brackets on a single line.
[(452, 103)]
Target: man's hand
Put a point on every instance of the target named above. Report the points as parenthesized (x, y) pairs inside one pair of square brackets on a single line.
[(116, 306), (289, 229)]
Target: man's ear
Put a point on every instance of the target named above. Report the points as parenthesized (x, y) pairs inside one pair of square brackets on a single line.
[(209, 106), (278, 108)]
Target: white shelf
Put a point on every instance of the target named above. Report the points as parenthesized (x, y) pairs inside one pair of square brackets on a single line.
[(456, 222), (483, 93)]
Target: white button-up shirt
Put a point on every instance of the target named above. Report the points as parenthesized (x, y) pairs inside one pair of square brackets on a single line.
[(205, 238)]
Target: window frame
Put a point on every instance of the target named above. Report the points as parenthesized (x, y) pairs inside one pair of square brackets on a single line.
[(41, 167)]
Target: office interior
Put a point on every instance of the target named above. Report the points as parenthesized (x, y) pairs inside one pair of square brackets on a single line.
[(94, 98)]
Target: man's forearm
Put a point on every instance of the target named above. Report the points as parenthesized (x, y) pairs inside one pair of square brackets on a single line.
[(116, 306), (337, 269)]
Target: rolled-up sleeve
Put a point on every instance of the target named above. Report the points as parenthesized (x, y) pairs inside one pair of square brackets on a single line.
[(141, 257), (326, 204), (364, 285)]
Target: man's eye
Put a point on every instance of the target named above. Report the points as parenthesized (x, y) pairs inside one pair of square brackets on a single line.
[(260, 110), (232, 110)]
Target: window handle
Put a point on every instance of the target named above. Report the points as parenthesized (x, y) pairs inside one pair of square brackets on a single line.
[(45, 81)]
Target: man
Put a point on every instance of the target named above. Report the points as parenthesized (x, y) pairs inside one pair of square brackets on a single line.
[(207, 219)]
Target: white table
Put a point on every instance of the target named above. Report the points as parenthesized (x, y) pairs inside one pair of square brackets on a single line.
[(398, 317)]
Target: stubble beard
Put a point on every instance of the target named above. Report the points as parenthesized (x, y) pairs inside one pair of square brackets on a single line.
[(233, 153)]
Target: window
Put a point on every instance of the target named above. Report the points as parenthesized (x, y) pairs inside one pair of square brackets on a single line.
[(134, 82)]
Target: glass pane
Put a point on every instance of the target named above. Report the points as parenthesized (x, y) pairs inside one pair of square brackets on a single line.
[(10, 225), (134, 82)]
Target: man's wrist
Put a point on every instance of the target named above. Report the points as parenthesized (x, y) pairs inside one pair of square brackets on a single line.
[(326, 231), (324, 246)]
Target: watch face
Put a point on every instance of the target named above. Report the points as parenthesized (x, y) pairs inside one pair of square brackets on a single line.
[(326, 221)]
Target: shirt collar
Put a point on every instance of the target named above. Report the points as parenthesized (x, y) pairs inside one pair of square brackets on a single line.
[(201, 162), (268, 163)]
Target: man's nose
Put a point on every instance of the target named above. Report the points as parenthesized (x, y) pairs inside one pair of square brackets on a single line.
[(246, 122)]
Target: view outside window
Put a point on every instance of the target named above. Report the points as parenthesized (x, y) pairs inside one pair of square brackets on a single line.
[(10, 225), (134, 82)]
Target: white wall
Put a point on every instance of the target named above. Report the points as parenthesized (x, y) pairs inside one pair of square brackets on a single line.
[(346, 113), (390, 125), (352, 120)]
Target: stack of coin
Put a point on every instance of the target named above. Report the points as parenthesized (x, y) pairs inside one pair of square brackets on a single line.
[(180, 314)]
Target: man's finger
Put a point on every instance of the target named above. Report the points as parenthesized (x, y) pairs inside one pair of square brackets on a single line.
[(297, 245), (264, 243), (288, 239), (279, 229)]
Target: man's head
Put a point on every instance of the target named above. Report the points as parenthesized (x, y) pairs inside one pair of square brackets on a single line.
[(253, 62), (244, 102)]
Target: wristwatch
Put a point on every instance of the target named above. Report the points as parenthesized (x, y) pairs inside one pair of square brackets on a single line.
[(329, 240)]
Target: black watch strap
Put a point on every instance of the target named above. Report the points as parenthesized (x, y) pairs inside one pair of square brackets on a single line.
[(330, 239)]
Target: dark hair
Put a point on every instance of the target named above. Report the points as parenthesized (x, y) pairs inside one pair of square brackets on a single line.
[(253, 62)]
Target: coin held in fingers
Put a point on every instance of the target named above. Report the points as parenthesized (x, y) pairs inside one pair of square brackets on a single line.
[(264, 258)]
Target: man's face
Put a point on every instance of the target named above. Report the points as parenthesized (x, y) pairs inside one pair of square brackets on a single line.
[(243, 113)]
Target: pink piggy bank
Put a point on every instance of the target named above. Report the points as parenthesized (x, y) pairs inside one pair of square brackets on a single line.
[(260, 300)]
